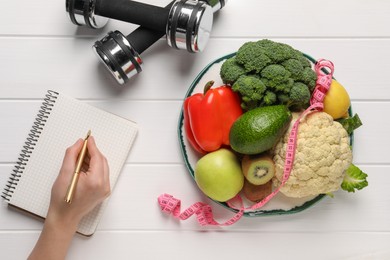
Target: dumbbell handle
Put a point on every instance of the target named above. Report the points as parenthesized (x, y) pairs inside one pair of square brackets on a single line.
[(143, 38), (134, 12)]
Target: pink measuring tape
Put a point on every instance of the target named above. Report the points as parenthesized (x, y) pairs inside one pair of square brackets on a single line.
[(324, 70)]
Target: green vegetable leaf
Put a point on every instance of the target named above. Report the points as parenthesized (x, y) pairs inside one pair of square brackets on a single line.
[(350, 123), (354, 179), (330, 194)]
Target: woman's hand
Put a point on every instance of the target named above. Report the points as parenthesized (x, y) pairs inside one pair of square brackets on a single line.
[(62, 218), (92, 188)]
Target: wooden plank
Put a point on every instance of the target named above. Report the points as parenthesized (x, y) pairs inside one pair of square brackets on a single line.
[(67, 64), (133, 206), (278, 18), (207, 245), (157, 141)]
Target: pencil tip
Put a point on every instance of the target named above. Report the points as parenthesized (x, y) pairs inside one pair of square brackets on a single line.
[(88, 134)]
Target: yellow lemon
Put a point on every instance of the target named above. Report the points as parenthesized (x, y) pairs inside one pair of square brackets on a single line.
[(336, 101)]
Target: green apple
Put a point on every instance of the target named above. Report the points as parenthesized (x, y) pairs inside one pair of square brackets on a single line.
[(218, 175)]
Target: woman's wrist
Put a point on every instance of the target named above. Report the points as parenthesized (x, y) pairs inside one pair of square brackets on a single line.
[(55, 237), (62, 222)]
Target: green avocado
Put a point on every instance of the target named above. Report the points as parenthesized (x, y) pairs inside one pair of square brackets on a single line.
[(259, 129)]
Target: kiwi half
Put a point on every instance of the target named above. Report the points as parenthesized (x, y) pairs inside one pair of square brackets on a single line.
[(256, 193), (258, 169)]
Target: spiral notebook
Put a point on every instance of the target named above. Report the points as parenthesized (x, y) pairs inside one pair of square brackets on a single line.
[(60, 121)]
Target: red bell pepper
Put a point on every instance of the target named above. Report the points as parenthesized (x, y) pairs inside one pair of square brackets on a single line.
[(209, 116)]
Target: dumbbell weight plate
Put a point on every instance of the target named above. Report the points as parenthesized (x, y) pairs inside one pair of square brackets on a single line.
[(82, 12)]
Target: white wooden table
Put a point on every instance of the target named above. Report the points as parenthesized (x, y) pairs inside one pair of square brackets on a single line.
[(41, 49)]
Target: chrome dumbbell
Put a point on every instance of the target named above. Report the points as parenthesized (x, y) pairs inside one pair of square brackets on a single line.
[(187, 23), (95, 13), (121, 54)]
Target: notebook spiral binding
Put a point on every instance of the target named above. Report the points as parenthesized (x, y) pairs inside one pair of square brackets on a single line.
[(30, 143)]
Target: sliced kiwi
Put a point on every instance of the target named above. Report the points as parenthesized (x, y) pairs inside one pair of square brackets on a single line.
[(256, 193), (258, 169)]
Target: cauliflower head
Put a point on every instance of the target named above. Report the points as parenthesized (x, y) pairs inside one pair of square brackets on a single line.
[(322, 156)]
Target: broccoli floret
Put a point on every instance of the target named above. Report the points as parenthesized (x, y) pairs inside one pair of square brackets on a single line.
[(231, 71), (251, 90), (248, 104), (309, 77), (300, 72), (278, 66), (283, 98), (299, 96), (286, 86), (277, 52), (354, 179), (303, 60), (276, 73), (250, 86), (276, 77), (295, 67), (269, 98), (252, 56)]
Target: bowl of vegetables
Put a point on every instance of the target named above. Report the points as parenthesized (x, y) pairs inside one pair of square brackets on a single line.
[(235, 124)]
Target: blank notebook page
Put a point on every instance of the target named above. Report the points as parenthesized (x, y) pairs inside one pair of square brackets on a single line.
[(69, 120)]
